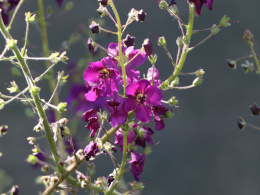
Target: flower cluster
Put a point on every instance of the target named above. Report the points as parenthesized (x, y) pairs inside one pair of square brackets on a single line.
[(104, 80)]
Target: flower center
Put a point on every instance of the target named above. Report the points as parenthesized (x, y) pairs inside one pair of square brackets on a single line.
[(104, 73), (140, 98)]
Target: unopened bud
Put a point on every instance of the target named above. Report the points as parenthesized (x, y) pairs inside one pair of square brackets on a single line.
[(179, 41), (162, 41), (172, 101), (29, 17), (31, 140), (163, 5), (11, 43), (3, 130), (197, 81), (32, 159), (35, 90), (148, 47), (15, 190), (62, 107), (232, 64), (241, 123), (141, 15), (248, 36), (94, 27), (2, 104), (215, 29)]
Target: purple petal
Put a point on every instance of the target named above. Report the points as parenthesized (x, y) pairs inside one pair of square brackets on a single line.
[(139, 59), (154, 95), (143, 113)]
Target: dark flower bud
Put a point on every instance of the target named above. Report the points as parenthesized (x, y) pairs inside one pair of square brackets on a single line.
[(102, 11), (15, 190), (109, 180), (91, 150), (148, 47), (241, 123), (129, 41), (103, 2), (3, 130), (232, 64), (248, 36), (91, 45), (255, 110), (141, 15), (94, 27)]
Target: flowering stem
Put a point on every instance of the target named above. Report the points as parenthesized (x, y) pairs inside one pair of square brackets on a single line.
[(186, 45), (122, 166), (255, 56), (119, 35)]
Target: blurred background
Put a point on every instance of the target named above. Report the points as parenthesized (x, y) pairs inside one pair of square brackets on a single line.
[(201, 150)]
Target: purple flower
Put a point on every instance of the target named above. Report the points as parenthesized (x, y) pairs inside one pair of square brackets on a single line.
[(59, 2), (148, 47), (137, 164), (102, 78), (143, 136), (6, 7), (199, 4), (77, 101), (153, 76), (255, 110), (129, 41), (118, 115), (159, 110), (110, 179), (140, 96), (91, 150), (91, 116), (119, 140)]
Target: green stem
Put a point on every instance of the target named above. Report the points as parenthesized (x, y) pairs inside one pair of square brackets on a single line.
[(185, 51), (255, 56), (122, 166), (119, 37), (46, 51)]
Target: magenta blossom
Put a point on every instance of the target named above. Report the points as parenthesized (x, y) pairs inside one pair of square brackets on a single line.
[(143, 135), (141, 96), (76, 99), (102, 77), (159, 112), (153, 76), (137, 164), (119, 138), (199, 4), (118, 115), (91, 116), (6, 6)]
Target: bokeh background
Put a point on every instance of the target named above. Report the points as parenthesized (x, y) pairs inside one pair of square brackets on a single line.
[(201, 149)]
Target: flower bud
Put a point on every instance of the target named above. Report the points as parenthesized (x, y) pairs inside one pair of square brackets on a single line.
[(45, 169), (35, 90), (132, 14), (94, 27), (248, 36), (54, 179), (29, 17), (153, 58), (197, 81), (163, 5), (103, 2), (255, 110), (129, 41), (38, 128), (162, 41), (225, 21), (91, 46), (15, 190), (62, 107), (36, 150), (141, 15), (3, 130), (241, 123), (32, 159), (232, 64), (179, 41), (199, 73), (169, 113), (148, 47), (2, 104), (102, 11), (11, 43), (31, 140), (174, 9), (172, 102), (14, 87)]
